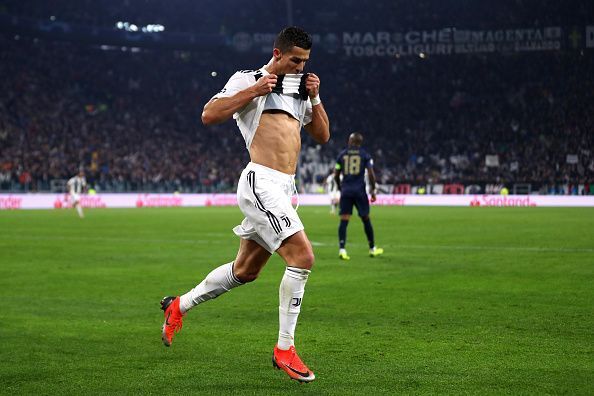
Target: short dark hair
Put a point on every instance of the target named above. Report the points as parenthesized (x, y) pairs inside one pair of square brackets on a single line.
[(355, 139), (292, 37)]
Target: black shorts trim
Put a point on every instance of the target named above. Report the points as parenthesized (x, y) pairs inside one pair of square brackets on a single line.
[(276, 226)]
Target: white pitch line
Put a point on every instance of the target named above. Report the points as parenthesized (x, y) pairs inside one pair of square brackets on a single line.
[(503, 248), (121, 240), (314, 243)]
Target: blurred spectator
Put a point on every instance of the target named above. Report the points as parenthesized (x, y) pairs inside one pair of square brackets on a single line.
[(132, 118)]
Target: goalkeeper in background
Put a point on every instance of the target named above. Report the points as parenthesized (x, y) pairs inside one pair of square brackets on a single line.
[(352, 163)]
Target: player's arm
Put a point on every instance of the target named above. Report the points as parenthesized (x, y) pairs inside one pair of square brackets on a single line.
[(337, 171), (372, 181), (319, 127), (219, 110)]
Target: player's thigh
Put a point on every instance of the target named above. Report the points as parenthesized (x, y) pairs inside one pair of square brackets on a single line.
[(346, 205), (362, 204), (250, 260), (297, 252), (266, 204)]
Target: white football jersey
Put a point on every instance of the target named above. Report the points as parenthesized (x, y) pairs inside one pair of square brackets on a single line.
[(331, 184), (76, 184), (248, 118)]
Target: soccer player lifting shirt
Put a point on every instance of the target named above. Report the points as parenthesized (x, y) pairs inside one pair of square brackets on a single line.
[(270, 106)]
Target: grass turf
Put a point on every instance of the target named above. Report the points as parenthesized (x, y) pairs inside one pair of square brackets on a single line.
[(465, 300)]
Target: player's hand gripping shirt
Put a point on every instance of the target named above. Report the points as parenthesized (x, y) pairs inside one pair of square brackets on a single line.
[(288, 96)]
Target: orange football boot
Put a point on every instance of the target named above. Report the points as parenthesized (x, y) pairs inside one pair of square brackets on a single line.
[(291, 364), (173, 319)]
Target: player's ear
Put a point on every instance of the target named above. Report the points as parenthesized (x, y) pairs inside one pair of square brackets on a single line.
[(277, 54)]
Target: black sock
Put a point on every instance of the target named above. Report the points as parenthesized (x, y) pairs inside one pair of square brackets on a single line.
[(342, 233), (369, 232)]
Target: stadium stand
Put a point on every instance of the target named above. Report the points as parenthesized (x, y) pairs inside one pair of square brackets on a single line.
[(131, 116)]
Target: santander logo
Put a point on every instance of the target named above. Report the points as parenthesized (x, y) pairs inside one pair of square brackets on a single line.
[(153, 201), (11, 202), (86, 201), (221, 200), (502, 200), (397, 200)]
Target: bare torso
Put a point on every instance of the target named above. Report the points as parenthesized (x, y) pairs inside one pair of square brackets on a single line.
[(277, 142)]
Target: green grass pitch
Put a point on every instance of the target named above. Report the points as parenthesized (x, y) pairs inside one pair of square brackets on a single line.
[(464, 301)]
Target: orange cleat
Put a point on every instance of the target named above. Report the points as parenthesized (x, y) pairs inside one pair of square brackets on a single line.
[(173, 319), (289, 362)]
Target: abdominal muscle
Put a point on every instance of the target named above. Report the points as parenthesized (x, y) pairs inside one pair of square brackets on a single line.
[(277, 142)]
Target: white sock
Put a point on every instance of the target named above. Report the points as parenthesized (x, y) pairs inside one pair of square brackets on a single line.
[(217, 282), (79, 210), (290, 295)]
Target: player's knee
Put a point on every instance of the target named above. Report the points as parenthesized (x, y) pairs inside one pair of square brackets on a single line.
[(246, 275), (305, 260), (365, 218), (246, 272), (310, 260)]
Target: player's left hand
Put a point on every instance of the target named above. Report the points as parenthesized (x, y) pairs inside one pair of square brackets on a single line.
[(373, 197), (312, 85)]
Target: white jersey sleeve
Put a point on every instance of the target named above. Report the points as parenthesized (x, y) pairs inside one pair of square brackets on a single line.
[(308, 111), (238, 82)]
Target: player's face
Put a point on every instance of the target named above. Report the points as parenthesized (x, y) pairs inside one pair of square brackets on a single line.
[(292, 61)]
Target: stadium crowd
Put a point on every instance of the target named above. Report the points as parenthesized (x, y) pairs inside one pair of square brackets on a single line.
[(208, 16), (131, 117), (131, 120)]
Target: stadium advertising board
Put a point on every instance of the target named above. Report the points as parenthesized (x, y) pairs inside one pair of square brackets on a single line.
[(444, 41), (61, 201), (451, 41)]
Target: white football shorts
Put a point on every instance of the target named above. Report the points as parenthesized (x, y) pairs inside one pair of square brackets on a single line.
[(74, 198), (334, 195), (264, 196)]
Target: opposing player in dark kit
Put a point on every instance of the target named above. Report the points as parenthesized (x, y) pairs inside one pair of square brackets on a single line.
[(352, 163)]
